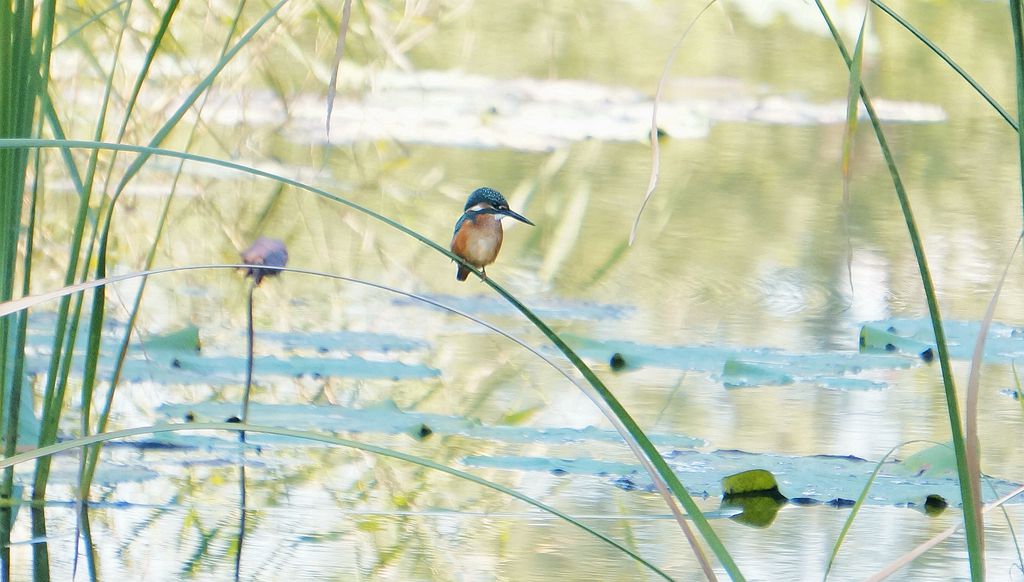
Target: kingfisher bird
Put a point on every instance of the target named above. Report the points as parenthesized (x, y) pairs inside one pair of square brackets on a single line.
[(478, 232)]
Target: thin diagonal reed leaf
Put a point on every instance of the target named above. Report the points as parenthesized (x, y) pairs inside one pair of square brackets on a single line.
[(949, 61), (1017, 24), (972, 516), (860, 502)]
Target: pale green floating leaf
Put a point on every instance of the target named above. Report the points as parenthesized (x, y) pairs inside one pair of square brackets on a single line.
[(181, 368), (934, 461), (877, 339), (185, 340), (347, 341), (387, 418), (822, 478), (744, 367), (736, 374), (751, 481)]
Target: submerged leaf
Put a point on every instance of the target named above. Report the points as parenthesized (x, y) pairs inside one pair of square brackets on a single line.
[(185, 339), (756, 510)]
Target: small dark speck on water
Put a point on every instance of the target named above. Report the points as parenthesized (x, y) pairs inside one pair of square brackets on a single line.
[(190, 417), (234, 420), (935, 503), (890, 348), (323, 349), (425, 431), (891, 329), (804, 501), (176, 363), (928, 355), (840, 502), (558, 471), (617, 362), (625, 483)]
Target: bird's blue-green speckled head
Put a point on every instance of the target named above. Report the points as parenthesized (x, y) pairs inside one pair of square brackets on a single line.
[(486, 196)]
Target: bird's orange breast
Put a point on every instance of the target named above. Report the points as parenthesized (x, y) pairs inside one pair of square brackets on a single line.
[(478, 240)]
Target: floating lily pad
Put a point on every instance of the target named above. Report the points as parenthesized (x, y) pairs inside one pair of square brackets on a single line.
[(182, 340), (828, 479), (1002, 344), (748, 367), (546, 309), (751, 481), (348, 341), (737, 373), (387, 418), (934, 461), (194, 369)]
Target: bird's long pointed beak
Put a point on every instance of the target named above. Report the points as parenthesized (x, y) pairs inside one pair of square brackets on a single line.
[(517, 216)]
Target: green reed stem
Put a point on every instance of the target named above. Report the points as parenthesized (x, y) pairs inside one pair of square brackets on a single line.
[(948, 60), (971, 503), (1016, 18)]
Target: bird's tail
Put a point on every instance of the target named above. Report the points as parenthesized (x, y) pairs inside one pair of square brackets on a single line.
[(463, 273)]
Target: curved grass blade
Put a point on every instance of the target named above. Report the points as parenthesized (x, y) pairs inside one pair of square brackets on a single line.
[(971, 518), (339, 53), (860, 501), (852, 107), (973, 447), (632, 430), (1017, 24), (655, 149), (949, 61), (331, 440)]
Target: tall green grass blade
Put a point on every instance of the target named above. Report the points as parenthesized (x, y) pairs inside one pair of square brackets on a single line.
[(1017, 24), (852, 107), (339, 53), (972, 517), (330, 440), (60, 363), (95, 18), (948, 60), (24, 57)]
